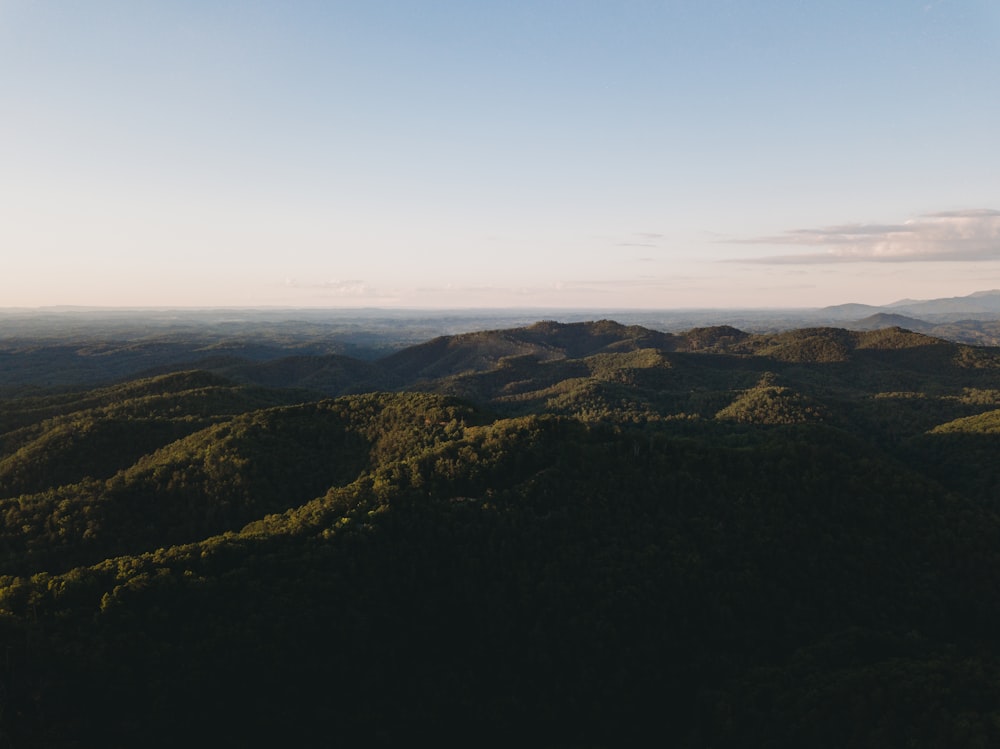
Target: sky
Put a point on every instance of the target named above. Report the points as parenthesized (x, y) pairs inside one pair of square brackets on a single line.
[(600, 154)]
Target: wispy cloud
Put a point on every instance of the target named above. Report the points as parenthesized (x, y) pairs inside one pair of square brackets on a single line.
[(642, 239), (965, 235), (335, 287)]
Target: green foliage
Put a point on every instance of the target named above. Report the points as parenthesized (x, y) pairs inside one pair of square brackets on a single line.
[(983, 423), (767, 404), (617, 538)]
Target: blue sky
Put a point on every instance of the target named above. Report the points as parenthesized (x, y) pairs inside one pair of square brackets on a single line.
[(498, 154)]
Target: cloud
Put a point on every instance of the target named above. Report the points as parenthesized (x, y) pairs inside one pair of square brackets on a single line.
[(336, 288), (642, 239), (452, 288), (962, 236), (970, 213)]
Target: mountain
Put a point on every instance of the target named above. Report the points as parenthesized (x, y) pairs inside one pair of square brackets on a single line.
[(978, 304), (850, 311), (972, 319), (891, 320), (564, 534)]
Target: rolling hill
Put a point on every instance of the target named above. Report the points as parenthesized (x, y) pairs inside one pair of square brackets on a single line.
[(584, 534)]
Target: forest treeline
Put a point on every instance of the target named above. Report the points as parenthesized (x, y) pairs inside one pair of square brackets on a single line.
[(585, 535)]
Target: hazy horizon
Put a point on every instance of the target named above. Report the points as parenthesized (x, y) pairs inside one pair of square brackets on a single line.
[(468, 156), (446, 310)]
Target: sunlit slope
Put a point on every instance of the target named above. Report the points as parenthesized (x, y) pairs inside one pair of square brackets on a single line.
[(964, 453), (216, 479), (770, 404), (55, 440), (193, 393)]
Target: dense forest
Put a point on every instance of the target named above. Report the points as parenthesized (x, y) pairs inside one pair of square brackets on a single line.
[(560, 535)]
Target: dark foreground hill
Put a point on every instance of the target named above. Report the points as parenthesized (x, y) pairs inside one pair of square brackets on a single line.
[(559, 536)]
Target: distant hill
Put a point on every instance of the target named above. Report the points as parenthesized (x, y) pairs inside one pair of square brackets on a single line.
[(979, 305), (890, 320), (849, 311), (543, 341)]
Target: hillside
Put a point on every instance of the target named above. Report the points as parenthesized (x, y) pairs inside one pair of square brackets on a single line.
[(584, 534), (543, 341)]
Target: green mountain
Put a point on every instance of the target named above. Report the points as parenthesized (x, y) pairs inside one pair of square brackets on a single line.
[(565, 535)]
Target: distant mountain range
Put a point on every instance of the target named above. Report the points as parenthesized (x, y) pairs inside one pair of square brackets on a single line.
[(333, 350), (981, 305), (965, 319)]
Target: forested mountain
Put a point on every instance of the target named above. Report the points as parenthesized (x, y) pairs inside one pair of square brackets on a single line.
[(563, 535)]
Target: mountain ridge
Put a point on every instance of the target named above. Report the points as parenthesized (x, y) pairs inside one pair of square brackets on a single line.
[(55, 350)]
